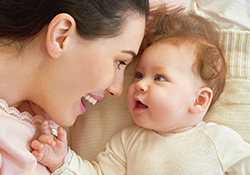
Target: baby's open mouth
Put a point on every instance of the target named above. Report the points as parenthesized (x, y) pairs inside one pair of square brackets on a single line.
[(139, 104)]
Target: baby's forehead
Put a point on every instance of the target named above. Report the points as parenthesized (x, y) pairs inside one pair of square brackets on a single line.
[(169, 54), (180, 41), (165, 47)]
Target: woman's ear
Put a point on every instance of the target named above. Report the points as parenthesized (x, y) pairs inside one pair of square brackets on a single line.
[(59, 30), (202, 101)]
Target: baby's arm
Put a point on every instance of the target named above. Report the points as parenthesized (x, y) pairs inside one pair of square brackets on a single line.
[(52, 152), (49, 149)]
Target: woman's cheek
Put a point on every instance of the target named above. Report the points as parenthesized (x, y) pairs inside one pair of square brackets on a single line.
[(105, 77)]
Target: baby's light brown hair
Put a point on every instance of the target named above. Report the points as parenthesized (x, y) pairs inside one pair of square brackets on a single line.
[(177, 28)]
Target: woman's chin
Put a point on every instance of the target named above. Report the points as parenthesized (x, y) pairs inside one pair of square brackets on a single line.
[(67, 123)]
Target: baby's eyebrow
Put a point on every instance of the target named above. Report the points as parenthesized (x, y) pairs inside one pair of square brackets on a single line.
[(132, 53)]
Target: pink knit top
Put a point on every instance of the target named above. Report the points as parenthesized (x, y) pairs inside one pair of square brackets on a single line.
[(17, 130)]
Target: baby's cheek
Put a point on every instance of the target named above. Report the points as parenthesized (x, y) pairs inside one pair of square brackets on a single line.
[(129, 98), (161, 104)]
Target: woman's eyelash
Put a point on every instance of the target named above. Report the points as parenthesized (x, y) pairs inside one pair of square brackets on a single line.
[(119, 63)]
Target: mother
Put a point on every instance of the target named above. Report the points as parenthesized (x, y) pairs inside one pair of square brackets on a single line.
[(54, 53)]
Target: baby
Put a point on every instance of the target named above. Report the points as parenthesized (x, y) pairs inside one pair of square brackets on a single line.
[(180, 74)]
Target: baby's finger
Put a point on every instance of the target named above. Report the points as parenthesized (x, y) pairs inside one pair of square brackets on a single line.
[(46, 139), (35, 144), (37, 154), (62, 136), (46, 129)]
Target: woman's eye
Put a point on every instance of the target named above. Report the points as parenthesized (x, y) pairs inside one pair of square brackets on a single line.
[(139, 75), (119, 63), (159, 78)]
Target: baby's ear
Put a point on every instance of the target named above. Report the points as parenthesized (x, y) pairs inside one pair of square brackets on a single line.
[(202, 101)]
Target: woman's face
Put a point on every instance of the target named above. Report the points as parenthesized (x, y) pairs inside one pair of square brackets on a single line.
[(89, 68)]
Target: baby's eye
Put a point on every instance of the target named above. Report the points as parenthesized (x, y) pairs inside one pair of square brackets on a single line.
[(139, 75), (119, 63), (159, 78)]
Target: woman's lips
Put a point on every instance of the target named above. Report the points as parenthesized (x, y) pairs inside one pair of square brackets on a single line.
[(91, 98), (97, 97), (83, 107)]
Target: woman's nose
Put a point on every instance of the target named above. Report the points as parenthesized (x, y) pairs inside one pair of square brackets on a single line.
[(116, 88)]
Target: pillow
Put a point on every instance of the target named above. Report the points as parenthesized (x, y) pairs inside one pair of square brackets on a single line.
[(233, 107)]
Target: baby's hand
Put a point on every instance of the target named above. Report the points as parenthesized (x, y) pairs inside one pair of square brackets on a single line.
[(50, 150)]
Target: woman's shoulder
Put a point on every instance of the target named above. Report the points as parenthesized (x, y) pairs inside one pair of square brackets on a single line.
[(13, 113)]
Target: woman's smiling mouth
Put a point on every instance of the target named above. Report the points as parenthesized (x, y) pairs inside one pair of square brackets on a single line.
[(93, 98), (90, 99)]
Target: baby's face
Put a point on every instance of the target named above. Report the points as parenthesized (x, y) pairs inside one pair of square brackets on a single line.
[(164, 88)]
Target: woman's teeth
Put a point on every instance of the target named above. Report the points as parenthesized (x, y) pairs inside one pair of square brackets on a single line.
[(90, 99)]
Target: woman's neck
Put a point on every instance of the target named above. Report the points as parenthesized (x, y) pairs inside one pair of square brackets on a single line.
[(16, 73)]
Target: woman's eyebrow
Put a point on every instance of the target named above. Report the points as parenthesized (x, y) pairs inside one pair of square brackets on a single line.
[(132, 53)]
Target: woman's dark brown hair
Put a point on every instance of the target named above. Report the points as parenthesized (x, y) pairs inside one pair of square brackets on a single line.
[(23, 19)]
